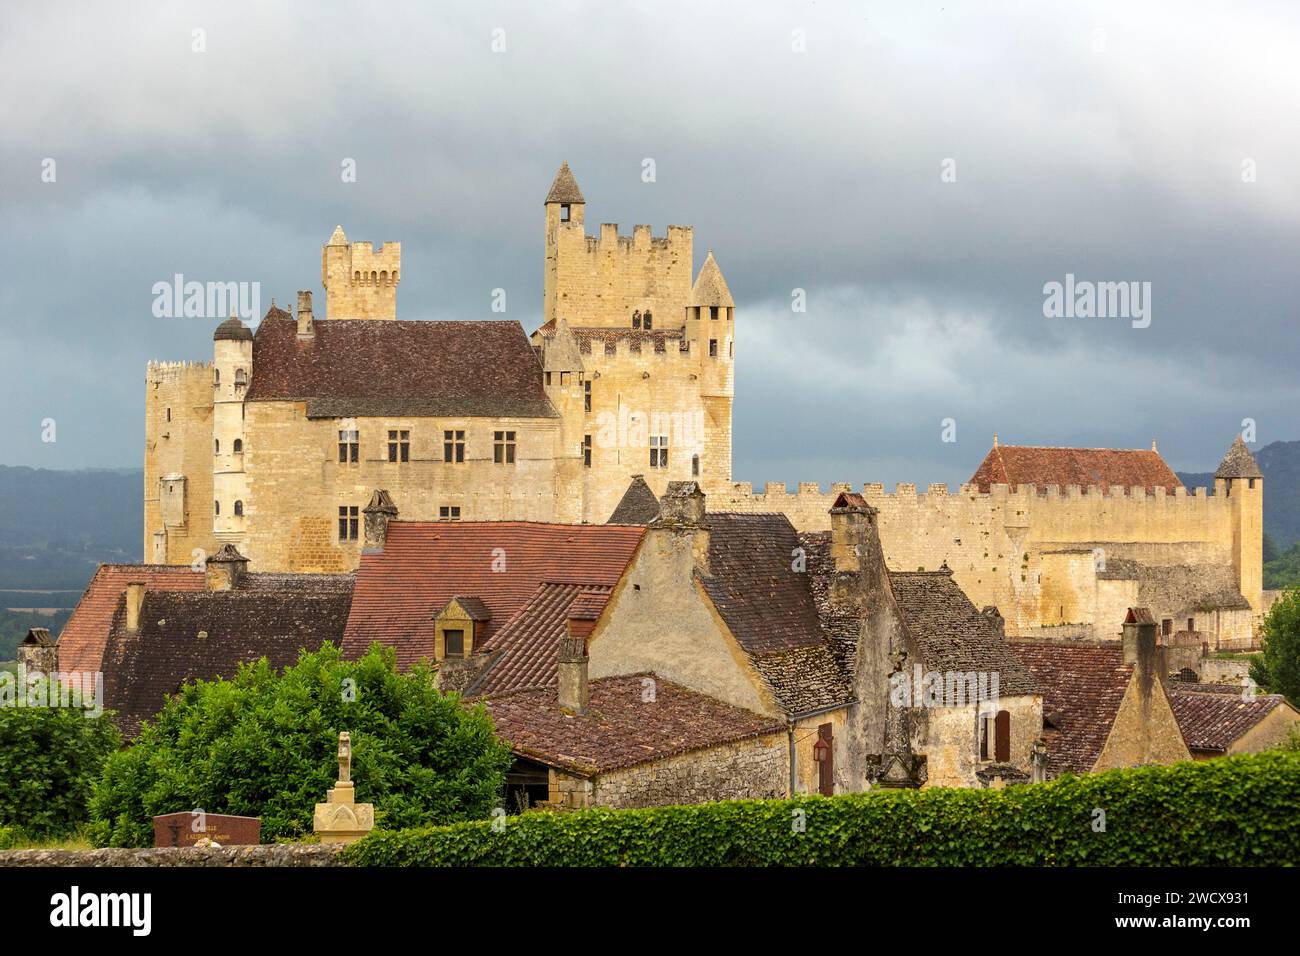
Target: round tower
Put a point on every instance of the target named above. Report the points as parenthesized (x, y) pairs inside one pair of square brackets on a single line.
[(232, 373)]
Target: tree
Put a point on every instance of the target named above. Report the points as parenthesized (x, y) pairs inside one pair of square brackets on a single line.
[(50, 758), (264, 744), (1277, 667)]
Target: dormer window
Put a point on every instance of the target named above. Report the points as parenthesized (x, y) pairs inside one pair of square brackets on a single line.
[(455, 627)]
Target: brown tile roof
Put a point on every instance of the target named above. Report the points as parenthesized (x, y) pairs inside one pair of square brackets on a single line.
[(387, 367), (565, 188), (772, 611), (425, 563), (1238, 463), (1121, 468), (1213, 717), (203, 635), (621, 728), (81, 645), (526, 646), (1082, 689), (637, 506)]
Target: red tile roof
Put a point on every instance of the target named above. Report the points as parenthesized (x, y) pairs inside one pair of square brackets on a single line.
[(426, 563), (81, 645), (1121, 468), (1213, 717), (621, 728), (1082, 689), (389, 367)]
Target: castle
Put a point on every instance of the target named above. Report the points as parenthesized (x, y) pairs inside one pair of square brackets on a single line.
[(279, 445)]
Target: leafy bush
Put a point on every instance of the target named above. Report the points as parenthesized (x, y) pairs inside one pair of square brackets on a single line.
[(1226, 812), (1277, 667), (50, 758), (265, 745)]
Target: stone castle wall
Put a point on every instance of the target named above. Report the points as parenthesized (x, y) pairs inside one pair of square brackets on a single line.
[(178, 442)]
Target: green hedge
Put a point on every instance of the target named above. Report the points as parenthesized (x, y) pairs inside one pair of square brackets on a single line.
[(1231, 811)]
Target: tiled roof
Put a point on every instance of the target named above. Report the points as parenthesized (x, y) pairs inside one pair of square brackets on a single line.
[(207, 634), (771, 609), (426, 563), (710, 288), (621, 728), (1213, 717), (1082, 689), (232, 328), (386, 367), (637, 506), (473, 607), (1238, 463), (1121, 468), (565, 188), (81, 645), (526, 646)]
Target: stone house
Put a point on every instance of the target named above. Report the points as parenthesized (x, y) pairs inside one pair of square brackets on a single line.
[(1218, 720)]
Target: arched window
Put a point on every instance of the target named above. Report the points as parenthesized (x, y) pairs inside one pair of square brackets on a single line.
[(383, 277), (695, 466), (239, 445), (216, 508), (645, 320), (239, 509), (241, 378), (216, 376), (636, 319)]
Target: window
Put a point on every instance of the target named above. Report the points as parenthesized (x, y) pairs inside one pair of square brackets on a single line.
[(658, 451), (645, 320), (216, 376), (825, 754), (564, 212), (453, 446), (1191, 623), (636, 319), (695, 466), (713, 312), (216, 508), (564, 380), (216, 446), (348, 522), (1251, 483), (241, 379), (169, 414), (503, 447), (713, 348), (586, 396), (586, 451), (349, 446), (1167, 626), (449, 513), (548, 378), (995, 737), (399, 445), (453, 643), (239, 509), (239, 446)]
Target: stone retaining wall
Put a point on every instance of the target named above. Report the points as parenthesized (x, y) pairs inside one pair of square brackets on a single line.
[(305, 854)]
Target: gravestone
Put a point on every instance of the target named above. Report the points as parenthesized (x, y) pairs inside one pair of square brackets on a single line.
[(186, 829)]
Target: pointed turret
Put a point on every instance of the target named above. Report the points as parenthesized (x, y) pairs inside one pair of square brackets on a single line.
[(710, 288), (565, 188), (1238, 463), (338, 238)]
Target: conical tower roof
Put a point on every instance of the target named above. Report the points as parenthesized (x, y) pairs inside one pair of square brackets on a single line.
[(338, 238), (1238, 463), (710, 288), (565, 188)]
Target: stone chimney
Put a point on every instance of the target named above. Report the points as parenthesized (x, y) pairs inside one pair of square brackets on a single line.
[(226, 568), (305, 330), (379, 512), (38, 652), (851, 517), (682, 505), (134, 601), (572, 660), (1142, 651)]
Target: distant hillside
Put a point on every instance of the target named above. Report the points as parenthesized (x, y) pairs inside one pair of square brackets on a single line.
[(1280, 463), (57, 526)]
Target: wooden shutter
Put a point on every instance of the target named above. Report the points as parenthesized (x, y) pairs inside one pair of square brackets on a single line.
[(1002, 736), (826, 769)]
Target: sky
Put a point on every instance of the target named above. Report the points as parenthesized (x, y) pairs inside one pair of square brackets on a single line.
[(921, 171)]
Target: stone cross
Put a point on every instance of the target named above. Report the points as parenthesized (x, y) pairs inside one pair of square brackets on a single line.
[(345, 757)]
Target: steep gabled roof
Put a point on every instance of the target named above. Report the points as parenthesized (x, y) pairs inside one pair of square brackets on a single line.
[(710, 287), (381, 367), (1121, 468), (565, 188), (637, 506), (502, 563), (1238, 463), (1213, 717), (623, 725)]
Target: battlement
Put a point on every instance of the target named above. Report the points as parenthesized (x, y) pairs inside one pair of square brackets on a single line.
[(998, 492), (360, 281), (642, 238), (163, 373)]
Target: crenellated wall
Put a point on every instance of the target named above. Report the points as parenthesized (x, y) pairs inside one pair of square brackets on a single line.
[(178, 461)]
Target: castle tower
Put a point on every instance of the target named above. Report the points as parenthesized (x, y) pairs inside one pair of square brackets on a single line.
[(232, 372), (360, 283), (1238, 478), (565, 208), (711, 332)]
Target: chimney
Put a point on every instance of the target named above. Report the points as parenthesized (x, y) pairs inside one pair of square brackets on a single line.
[(682, 505), (134, 601), (304, 315), (851, 517), (1141, 649), (572, 660), (379, 512), (226, 568)]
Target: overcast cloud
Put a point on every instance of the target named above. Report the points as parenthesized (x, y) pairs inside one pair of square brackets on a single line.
[(1105, 140)]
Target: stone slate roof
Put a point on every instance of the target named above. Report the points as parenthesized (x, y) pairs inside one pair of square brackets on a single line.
[(234, 329), (1120, 468), (473, 607), (565, 188), (710, 287), (621, 728), (1083, 686), (772, 611), (1179, 588), (637, 506), (525, 648), (1238, 463), (382, 367), (203, 635), (1213, 717), (81, 645), (38, 637), (424, 564)]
